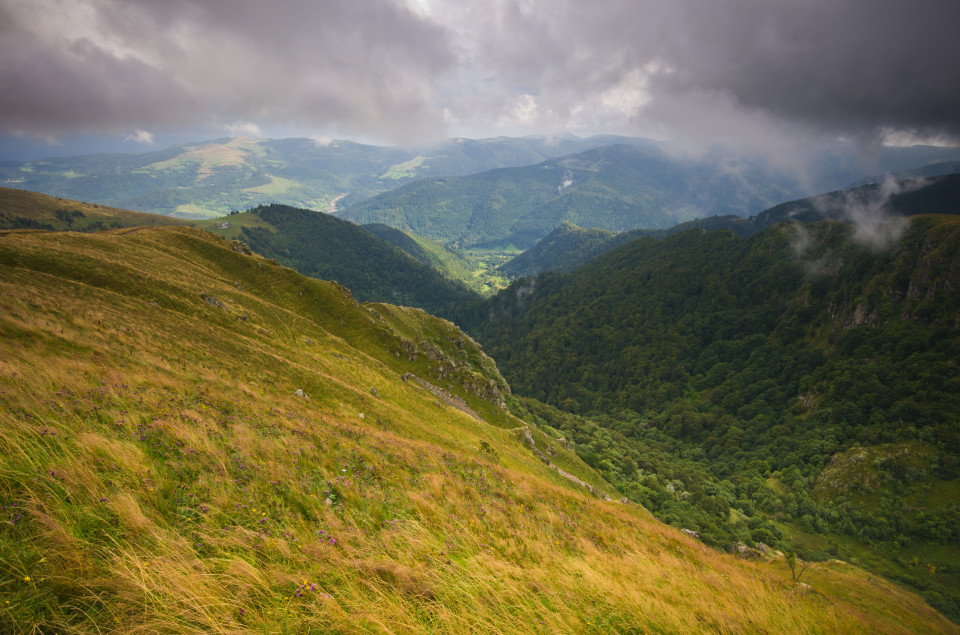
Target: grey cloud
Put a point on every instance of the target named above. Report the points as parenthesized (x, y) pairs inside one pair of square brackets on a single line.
[(766, 75), (363, 68), (854, 68), (857, 66)]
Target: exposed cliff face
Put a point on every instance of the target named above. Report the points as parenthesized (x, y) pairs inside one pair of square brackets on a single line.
[(917, 281)]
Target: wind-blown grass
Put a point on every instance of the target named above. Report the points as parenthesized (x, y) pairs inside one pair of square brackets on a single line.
[(158, 473)]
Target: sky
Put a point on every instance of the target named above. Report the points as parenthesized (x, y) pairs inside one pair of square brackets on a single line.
[(774, 77)]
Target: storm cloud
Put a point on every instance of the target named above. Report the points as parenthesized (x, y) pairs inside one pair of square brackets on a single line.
[(115, 66), (752, 72)]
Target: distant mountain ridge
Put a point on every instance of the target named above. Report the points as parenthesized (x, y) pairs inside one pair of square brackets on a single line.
[(211, 178), (206, 179), (569, 246), (616, 187)]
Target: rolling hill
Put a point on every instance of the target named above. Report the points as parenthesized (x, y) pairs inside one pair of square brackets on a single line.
[(313, 243), (800, 384), (20, 209), (198, 440)]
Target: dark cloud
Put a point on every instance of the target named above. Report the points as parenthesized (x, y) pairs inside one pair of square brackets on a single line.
[(110, 66), (755, 72), (857, 68)]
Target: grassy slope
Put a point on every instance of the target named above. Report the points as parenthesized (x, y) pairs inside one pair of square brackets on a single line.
[(158, 474), (33, 207)]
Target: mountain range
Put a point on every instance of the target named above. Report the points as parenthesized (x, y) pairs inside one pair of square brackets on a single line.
[(871, 207), (206, 179), (616, 187), (780, 387), (211, 178)]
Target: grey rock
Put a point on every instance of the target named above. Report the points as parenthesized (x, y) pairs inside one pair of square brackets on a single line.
[(212, 301)]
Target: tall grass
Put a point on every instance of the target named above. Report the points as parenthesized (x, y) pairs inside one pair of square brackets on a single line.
[(158, 474)]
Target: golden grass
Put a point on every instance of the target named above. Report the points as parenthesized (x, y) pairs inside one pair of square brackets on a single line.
[(168, 479), (42, 208)]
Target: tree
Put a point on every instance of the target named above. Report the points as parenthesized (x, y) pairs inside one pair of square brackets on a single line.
[(792, 563)]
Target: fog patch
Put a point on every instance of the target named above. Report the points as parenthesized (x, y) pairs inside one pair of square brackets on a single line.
[(876, 226), (142, 137), (322, 141)]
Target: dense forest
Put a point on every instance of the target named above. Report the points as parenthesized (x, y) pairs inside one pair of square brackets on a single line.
[(798, 379)]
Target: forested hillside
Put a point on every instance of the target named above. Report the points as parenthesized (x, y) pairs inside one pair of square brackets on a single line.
[(564, 249), (322, 246), (801, 384), (569, 247)]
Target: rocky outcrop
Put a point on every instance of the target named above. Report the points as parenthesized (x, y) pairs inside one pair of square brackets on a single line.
[(528, 438), (212, 301), (455, 367), (744, 552), (443, 395)]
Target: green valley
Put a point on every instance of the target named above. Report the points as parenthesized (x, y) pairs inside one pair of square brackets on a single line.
[(799, 382)]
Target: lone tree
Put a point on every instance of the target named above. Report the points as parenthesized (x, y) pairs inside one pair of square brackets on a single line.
[(792, 563)]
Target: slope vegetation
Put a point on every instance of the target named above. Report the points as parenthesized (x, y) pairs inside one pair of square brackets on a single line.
[(616, 187), (20, 209), (323, 246), (739, 386), (160, 473), (569, 247)]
